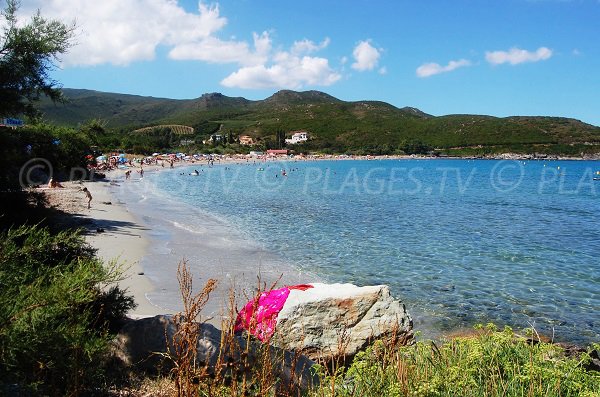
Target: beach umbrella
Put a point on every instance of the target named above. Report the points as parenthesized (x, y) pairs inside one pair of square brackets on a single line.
[(101, 158)]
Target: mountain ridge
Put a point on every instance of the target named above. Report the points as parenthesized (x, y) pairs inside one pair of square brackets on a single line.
[(333, 124)]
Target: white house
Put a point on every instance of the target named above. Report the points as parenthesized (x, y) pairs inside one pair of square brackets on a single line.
[(297, 137)]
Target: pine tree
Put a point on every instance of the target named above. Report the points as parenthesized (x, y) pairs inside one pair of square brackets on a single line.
[(27, 56)]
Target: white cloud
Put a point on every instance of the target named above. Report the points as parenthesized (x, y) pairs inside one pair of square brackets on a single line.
[(515, 56), (214, 50), (382, 70), (288, 71), (307, 47), (366, 56), (121, 32), (430, 69)]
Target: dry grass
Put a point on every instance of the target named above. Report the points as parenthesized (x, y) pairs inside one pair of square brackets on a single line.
[(243, 367), (486, 362), (185, 341)]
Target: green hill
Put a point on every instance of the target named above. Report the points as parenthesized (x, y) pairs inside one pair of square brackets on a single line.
[(333, 125)]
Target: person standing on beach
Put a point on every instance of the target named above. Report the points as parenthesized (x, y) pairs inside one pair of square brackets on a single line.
[(88, 195)]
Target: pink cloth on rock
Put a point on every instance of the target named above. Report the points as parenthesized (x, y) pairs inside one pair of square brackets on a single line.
[(259, 316)]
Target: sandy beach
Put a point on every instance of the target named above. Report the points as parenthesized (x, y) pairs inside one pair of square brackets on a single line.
[(113, 231), (118, 235)]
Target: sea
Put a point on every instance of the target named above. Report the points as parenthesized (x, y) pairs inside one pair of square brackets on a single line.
[(460, 242)]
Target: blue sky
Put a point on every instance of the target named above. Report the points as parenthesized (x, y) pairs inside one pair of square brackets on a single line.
[(503, 57)]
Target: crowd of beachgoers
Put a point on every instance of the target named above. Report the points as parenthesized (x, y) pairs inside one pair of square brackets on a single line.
[(123, 161), (114, 161)]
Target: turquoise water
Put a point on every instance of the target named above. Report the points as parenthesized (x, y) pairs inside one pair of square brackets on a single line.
[(460, 242)]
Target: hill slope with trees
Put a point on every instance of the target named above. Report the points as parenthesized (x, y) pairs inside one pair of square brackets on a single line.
[(336, 126)]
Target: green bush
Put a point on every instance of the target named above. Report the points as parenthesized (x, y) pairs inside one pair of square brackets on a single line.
[(490, 363), (62, 149), (56, 312)]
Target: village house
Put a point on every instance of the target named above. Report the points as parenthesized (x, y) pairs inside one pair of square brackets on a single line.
[(297, 137), (216, 138), (246, 140)]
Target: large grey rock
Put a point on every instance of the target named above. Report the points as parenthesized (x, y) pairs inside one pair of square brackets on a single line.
[(141, 345), (332, 320)]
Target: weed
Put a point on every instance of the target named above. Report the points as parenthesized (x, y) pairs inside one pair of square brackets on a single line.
[(185, 341)]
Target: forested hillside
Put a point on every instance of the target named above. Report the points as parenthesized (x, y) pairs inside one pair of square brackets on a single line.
[(335, 126)]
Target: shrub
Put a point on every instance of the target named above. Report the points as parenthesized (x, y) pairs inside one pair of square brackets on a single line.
[(490, 363), (56, 311)]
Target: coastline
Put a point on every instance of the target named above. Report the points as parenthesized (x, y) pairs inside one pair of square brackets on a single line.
[(113, 231), (124, 240), (212, 247), (131, 237), (122, 236)]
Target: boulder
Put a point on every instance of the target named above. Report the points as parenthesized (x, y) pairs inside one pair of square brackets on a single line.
[(141, 345), (333, 320)]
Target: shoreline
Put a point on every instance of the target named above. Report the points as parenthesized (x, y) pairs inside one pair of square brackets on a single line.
[(212, 248), (113, 231), (124, 240), (127, 237), (120, 236)]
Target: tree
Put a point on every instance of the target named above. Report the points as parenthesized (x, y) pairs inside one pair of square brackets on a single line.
[(280, 139), (27, 56)]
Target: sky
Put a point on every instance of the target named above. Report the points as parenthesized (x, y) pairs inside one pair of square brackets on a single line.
[(494, 57)]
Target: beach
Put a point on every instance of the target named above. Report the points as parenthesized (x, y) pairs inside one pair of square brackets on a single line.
[(127, 224), (422, 227), (112, 230)]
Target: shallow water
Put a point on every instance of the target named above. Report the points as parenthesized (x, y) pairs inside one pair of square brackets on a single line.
[(459, 241)]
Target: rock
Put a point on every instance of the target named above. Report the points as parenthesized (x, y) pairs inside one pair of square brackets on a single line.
[(333, 320), (141, 346), (575, 351)]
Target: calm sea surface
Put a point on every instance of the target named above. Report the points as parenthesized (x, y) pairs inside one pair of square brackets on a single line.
[(460, 242)]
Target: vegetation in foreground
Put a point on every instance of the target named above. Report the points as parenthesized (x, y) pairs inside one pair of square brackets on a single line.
[(487, 363), (57, 319), (59, 308)]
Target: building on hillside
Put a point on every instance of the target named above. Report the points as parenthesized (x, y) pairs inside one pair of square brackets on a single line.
[(214, 138), (187, 142), (297, 137), (246, 140)]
